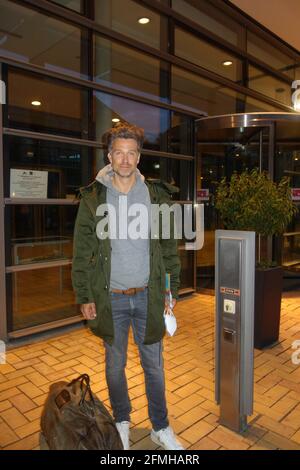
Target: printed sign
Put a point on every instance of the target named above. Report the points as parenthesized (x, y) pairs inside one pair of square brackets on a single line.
[(28, 183), (296, 194), (202, 195)]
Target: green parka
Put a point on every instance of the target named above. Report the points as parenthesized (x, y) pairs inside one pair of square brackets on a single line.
[(92, 263)]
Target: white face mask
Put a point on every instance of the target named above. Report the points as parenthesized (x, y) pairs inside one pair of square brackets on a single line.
[(170, 322)]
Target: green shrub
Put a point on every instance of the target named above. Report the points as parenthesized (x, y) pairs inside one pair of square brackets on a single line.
[(251, 201)]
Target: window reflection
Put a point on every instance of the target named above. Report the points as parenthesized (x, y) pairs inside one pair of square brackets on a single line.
[(29, 36), (181, 136), (199, 95), (76, 5), (46, 105), (122, 16), (253, 105), (116, 66), (187, 269), (176, 172), (210, 18), (39, 233), (201, 53), (40, 296), (270, 55), (269, 86)]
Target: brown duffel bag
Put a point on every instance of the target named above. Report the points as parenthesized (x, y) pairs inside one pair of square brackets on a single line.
[(74, 418)]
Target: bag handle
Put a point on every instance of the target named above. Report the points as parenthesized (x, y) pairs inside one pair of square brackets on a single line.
[(83, 379)]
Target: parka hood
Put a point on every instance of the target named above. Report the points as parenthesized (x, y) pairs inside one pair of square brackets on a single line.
[(105, 176)]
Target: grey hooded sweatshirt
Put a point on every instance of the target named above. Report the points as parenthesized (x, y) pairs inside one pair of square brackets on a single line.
[(130, 265)]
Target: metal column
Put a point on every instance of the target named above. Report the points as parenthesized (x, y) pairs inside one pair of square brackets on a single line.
[(235, 273)]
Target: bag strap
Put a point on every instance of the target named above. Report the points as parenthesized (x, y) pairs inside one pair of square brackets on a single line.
[(84, 379)]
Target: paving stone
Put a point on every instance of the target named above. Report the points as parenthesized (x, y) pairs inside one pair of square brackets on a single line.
[(30, 390), (7, 435), (13, 418), (22, 402), (189, 367)]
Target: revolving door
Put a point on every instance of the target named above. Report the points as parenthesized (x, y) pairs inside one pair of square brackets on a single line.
[(234, 143)]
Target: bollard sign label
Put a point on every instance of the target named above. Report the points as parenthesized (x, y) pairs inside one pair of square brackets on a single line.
[(228, 290)]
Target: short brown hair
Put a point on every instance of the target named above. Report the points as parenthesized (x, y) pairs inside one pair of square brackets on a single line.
[(124, 131)]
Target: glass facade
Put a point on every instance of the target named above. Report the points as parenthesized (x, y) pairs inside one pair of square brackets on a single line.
[(51, 115), (269, 86), (116, 67), (270, 55), (201, 53), (67, 79), (39, 233), (39, 39), (205, 14), (41, 296), (76, 5), (123, 17)]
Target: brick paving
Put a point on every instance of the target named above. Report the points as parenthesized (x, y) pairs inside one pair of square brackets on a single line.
[(189, 365)]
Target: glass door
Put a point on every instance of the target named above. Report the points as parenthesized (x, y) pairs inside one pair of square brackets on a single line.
[(287, 163), (220, 153)]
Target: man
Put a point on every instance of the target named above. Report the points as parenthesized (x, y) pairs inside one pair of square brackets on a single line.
[(120, 281)]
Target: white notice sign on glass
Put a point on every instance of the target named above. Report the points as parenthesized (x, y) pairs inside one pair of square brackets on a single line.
[(28, 183)]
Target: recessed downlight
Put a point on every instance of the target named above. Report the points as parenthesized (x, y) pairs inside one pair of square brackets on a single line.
[(227, 63), (115, 120), (144, 20), (36, 103)]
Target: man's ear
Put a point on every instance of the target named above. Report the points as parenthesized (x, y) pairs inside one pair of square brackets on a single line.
[(109, 157)]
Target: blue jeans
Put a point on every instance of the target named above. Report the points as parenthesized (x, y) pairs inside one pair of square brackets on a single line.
[(132, 310)]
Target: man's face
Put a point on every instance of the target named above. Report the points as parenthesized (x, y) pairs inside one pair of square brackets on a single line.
[(124, 157)]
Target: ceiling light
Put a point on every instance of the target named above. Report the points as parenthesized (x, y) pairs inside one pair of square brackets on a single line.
[(144, 20), (115, 120), (227, 63), (36, 103)]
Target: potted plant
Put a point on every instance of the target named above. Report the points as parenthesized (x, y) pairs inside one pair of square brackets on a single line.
[(252, 201)]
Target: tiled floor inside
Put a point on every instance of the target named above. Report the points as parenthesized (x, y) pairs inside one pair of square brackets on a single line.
[(189, 365)]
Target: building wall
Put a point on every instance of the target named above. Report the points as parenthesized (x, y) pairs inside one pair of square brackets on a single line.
[(270, 13), (88, 63)]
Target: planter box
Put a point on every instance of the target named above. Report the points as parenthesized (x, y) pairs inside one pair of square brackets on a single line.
[(268, 290)]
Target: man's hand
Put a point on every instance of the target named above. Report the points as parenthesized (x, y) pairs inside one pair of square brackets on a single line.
[(88, 311)]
